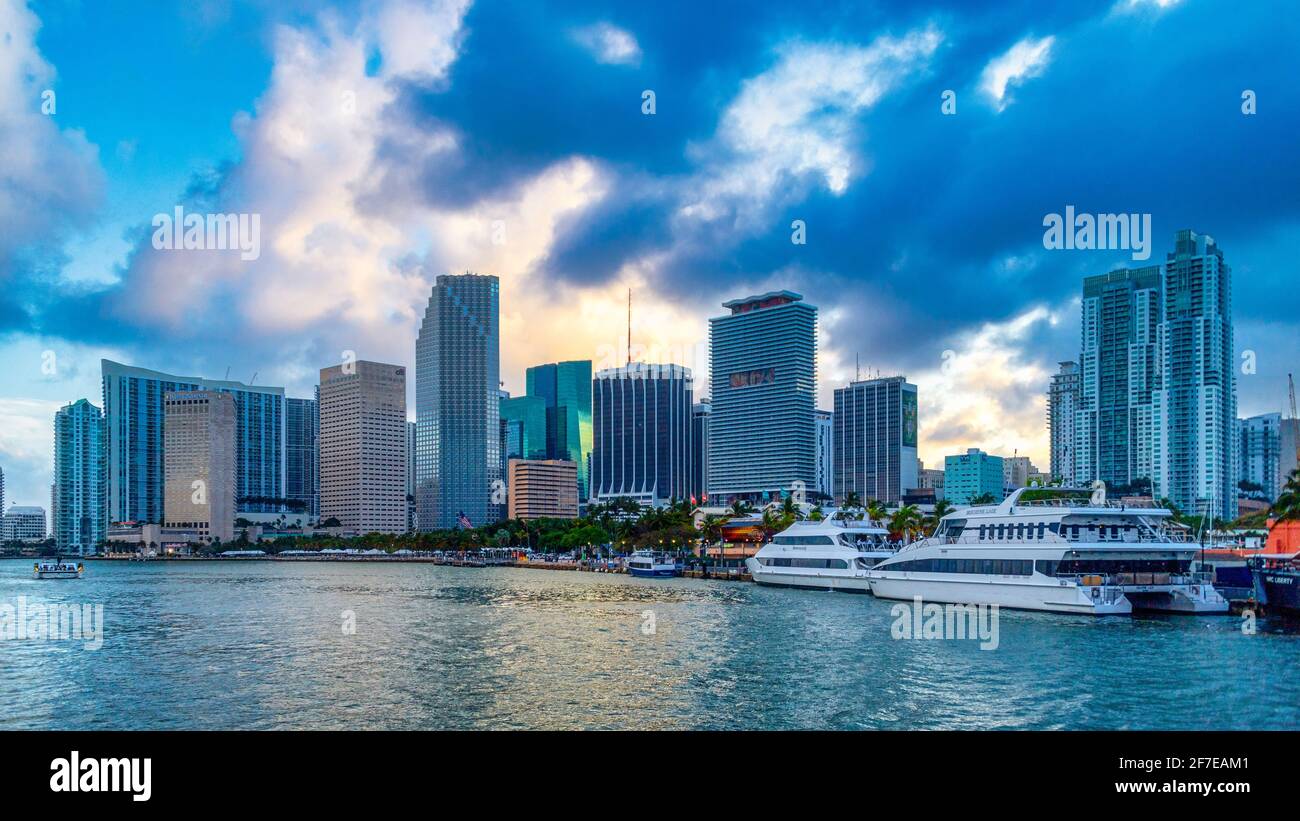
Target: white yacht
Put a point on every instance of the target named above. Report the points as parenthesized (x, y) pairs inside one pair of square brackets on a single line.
[(1062, 550), (832, 554)]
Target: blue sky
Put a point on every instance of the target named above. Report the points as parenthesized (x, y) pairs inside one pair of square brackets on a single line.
[(386, 142)]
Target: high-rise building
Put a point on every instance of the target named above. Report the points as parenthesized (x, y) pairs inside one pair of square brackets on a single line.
[(699, 484), (565, 387), (543, 489), (199, 443), (642, 433), (1287, 441), (1259, 453), (457, 404), (523, 419), (1121, 315), (932, 479), (302, 453), (971, 475), (133, 417), (1016, 471), (1062, 407), (2, 490), (23, 523), (410, 477), (762, 431), (77, 505), (825, 485), (875, 439), (1195, 407), (363, 447)]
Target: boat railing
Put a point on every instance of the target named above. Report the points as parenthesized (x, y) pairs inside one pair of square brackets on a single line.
[(1137, 579), (1110, 504)]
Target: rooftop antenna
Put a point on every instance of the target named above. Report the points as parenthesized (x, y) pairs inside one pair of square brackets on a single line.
[(227, 373), (857, 368), (253, 381), (629, 327)]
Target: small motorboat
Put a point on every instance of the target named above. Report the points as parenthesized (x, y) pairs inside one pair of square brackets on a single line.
[(651, 564), (57, 569)]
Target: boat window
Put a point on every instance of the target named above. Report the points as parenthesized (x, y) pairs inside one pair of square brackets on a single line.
[(983, 535), (804, 540), (999, 567)]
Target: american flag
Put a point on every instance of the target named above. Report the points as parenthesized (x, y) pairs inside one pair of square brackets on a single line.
[(463, 521)]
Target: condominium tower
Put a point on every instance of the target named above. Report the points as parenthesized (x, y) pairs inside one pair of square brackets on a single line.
[(1062, 407), (78, 512)]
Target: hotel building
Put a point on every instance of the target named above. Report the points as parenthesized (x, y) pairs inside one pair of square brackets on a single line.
[(199, 464), (763, 372)]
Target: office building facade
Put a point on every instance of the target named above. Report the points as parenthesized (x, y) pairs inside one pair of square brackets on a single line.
[(763, 363), (642, 420), (565, 388), (875, 423), (825, 484), (1259, 454), (971, 475), (77, 504), (23, 523), (699, 485), (363, 447), (457, 404)]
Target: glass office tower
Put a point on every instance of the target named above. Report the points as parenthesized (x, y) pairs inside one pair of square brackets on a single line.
[(457, 404), (302, 453), (565, 387)]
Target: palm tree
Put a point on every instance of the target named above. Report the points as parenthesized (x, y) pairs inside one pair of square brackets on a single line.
[(876, 511), (1287, 506), (816, 514), (905, 521), (790, 510), (771, 524), (942, 507), (983, 499), (852, 499), (740, 507)]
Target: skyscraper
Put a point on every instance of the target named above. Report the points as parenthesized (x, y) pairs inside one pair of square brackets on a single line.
[(77, 496), (642, 442), (1259, 456), (410, 477), (1195, 407), (566, 387), (1119, 366), (133, 416), (699, 486), (543, 489), (363, 447), (199, 466), (457, 415), (875, 424), (302, 453), (763, 363), (825, 485), (1062, 406), (524, 420)]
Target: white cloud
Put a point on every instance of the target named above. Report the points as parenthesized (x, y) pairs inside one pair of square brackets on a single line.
[(609, 44), (988, 393), (1026, 59), (50, 179), (799, 120)]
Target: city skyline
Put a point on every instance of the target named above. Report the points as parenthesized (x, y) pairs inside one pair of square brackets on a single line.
[(577, 229)]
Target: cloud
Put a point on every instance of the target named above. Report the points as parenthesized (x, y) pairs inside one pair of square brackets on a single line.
[(50, 178), (609, 44), (1026, 59)]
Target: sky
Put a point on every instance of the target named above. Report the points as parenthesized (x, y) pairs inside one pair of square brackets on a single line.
[(919, 145)]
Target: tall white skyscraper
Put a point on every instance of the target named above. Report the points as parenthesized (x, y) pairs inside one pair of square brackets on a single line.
[(199, 463), (1195, 407), (363, 447)]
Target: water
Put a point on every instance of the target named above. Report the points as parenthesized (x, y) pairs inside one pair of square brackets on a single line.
[(218, 645)]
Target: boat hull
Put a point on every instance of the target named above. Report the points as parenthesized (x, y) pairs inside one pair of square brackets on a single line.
[(656, 573), (1053, 598), (56, 574), (1278, 589), (807, 581)]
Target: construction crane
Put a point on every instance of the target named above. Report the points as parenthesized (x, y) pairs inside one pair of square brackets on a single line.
[(1291, 384)]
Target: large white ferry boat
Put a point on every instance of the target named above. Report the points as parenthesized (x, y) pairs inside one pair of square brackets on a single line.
[(831, 554), (1062, 550)]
